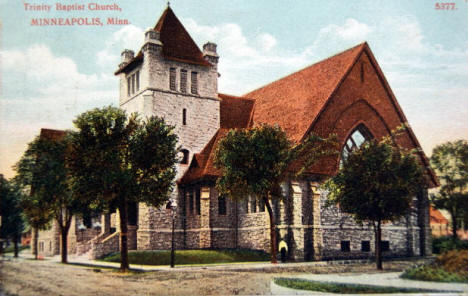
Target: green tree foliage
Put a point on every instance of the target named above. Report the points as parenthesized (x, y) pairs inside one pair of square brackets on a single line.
[(10, 210), (376, 184), (43, 168), (255, 161), (117, 159), (450, 161)]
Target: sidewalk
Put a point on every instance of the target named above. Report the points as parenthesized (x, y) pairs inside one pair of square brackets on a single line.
[(390, 279)]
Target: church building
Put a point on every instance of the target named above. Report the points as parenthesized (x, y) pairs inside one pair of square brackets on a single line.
[(346, 94)]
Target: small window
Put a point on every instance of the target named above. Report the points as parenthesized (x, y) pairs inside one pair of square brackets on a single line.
[(184, 156), (184, 116), (172, 79), (365, 246), (50, 246), (129, 84), (253, 204), (221, 205), (137, 77), (194, 83), (133, 83), (197, 199), (362, 72), (246, 205), (261, 205), (191, 202), (183, 81), (385, 246), (345, 246), (87, 220)]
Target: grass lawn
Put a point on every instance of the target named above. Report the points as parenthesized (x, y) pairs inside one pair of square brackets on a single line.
[(449, 267), (340, 288), (163, 257)]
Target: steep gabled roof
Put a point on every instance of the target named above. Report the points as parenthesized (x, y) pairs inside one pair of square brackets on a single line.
[(177, 43), (294, 101)]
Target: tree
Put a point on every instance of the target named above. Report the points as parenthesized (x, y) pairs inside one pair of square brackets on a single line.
[(255, 161), (376, 184), (44, 169), (117, 159), (450, 161), (10, 210)]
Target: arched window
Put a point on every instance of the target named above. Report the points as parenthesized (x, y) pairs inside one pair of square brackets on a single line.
[(359, 136), (184, 156)]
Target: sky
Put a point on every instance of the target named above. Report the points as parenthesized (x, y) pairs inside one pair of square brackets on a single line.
[(51, 74)]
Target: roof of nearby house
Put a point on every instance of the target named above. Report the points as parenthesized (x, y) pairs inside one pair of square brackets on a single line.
[(436, 217), (177, 43), (52, 134)]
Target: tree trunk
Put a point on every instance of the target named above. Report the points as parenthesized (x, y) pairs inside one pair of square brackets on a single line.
[(454, 224), (34, 246), (272, 231), (64, 228), (124, 266), (378, 244), (64, 244), (15, 242)]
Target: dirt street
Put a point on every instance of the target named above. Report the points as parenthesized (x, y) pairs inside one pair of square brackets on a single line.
[(31, 277)]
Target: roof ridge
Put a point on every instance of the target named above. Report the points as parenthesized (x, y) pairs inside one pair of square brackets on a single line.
[(311, 65)]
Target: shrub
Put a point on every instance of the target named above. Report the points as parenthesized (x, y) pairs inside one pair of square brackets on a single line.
[(452, 266), (446, 243)]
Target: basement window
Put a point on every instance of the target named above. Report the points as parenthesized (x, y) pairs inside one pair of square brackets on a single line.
[(385, 246), (345, 246), (365, 246), (184, 116)]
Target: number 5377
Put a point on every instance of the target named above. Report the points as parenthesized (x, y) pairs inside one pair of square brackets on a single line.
[(445, 6)]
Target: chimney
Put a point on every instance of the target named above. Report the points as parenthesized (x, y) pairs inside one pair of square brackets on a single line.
[(152, 41), (209, 53)]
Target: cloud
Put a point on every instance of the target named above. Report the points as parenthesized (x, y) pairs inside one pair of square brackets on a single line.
[(129, 37), (44, 90)]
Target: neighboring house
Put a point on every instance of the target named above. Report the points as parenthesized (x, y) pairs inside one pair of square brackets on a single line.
[(346, 94), (440, 226)]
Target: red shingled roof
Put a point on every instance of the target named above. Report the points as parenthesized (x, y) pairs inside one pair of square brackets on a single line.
[(177, 43), (302, 94), (202, 166), (299, 95), (437, 217), (235, 111)]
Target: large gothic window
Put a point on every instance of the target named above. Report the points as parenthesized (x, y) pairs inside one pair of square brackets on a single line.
[(359, 136)]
